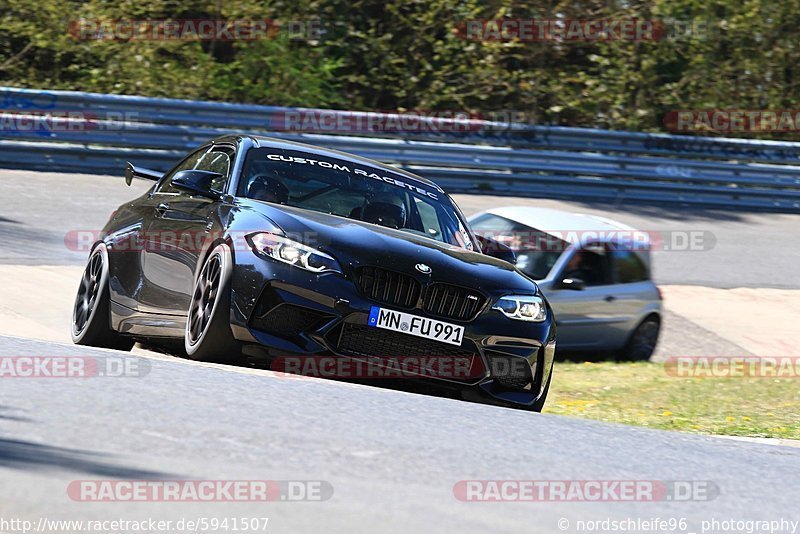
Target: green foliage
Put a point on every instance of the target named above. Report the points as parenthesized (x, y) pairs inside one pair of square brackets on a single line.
[(36, 50), (409, 54)]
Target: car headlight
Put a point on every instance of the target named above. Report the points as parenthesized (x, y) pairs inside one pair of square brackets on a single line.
[(522, 308), (287, 251)]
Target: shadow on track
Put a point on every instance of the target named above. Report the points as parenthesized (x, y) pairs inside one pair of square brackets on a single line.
[(25, 455), (16, 418)]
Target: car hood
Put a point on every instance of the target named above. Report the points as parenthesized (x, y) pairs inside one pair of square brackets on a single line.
[(355, 243)]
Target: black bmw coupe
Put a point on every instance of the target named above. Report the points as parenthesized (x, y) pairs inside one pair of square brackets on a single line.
[(258, 246)]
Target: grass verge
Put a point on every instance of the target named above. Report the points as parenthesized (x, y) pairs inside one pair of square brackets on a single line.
[(644, 394)]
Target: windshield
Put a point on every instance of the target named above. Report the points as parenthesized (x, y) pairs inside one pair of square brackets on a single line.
[(351, 190), (537, 251)]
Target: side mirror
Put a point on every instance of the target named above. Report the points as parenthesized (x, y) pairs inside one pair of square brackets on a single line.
[(495, 249), (197, 182), (572, 283)]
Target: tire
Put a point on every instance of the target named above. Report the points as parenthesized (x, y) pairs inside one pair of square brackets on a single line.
[(642, 343), (91, 314), (207, 336)]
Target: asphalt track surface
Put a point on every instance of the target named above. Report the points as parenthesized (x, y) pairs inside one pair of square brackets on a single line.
[(392, 458)]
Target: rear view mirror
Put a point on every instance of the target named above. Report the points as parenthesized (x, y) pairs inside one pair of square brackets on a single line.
[(197, 182), (495, 249), (572, 283)]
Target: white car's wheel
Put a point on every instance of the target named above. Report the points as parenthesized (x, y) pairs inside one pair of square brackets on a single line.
[(642, 343)]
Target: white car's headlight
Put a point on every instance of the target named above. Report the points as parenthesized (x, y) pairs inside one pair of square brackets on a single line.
[(522, 308), (287, 251)]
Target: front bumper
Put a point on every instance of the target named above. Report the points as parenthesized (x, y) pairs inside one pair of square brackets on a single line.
[(290, 312)]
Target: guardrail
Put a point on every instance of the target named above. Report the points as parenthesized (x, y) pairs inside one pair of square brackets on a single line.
[(97, 133)]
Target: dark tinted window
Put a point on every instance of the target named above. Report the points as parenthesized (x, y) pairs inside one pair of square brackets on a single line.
[(492, 226), (166, 183), (215, 159), (590, 264), (628, 267), (536, 251), (353, 190)]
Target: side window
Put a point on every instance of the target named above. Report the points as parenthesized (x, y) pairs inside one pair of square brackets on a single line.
[(215, 159), (628, 267), (491, 226), (590, 264), (500, 229), (429, 218), (166, 184)]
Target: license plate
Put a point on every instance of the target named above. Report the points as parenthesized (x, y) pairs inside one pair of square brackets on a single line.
[(416, 326)]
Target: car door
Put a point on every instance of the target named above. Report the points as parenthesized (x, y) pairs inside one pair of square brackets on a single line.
[(130, 241), (126, 244), (586, 318), (180, 226), (633, 290)]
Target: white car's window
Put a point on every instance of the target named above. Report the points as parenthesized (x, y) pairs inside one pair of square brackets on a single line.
[(537, 251), (628, 267), (591, 265)]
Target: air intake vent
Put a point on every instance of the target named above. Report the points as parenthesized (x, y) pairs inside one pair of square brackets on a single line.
[(510, 372), (388, 287), (289, 321), (453, 302), (360, 340)]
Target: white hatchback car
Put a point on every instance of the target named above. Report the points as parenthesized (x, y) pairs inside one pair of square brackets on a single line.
[(595, 272)]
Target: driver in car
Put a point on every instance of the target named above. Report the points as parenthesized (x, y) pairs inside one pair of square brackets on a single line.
[(268, 188), (385, 210), (581, 267)]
